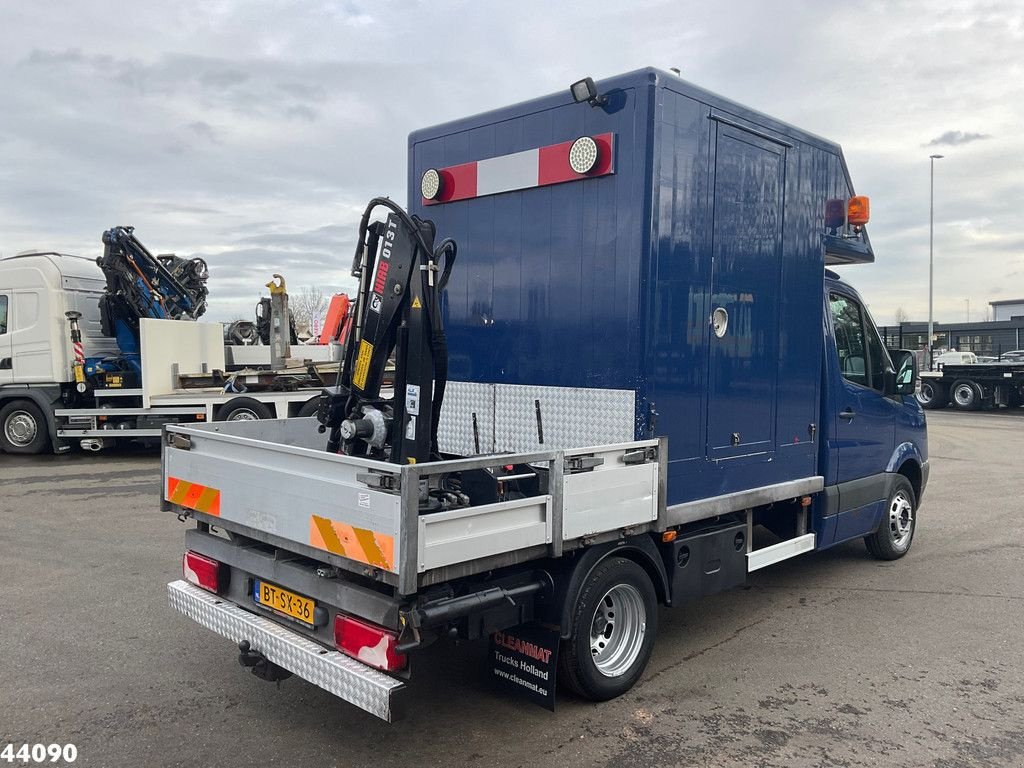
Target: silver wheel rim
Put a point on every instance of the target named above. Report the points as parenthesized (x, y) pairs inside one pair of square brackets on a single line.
[(964, 395), (617, 630), (244, 415), (926, 394), (901, 520), (20, 428)]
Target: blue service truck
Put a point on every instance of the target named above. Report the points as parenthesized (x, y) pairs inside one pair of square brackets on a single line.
[(639, 383)]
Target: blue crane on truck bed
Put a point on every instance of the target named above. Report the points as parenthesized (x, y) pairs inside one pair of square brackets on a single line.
[(142, 285)]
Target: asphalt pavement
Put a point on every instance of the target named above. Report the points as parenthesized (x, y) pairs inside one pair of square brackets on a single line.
[(831, 659)]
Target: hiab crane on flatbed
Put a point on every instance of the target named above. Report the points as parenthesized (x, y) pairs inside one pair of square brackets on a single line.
[(93, 351), (397, 314), (652, 386), (140, 285)]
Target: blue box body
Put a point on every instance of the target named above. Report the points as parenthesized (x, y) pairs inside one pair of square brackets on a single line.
[(610, 282)]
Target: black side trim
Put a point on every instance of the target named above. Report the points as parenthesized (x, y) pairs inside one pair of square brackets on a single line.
[(856, 493)]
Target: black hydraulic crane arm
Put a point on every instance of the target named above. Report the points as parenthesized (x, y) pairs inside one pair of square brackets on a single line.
[(397, 313)]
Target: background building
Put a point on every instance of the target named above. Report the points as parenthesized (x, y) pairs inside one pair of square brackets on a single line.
[(993, 337), (1008, 309)]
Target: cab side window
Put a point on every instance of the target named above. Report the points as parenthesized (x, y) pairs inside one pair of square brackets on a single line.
[(862, 356), (848, 326), (3, 315)]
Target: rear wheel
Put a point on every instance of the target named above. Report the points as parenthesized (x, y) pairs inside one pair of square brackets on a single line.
[(966, 395), (895, 534), (614, 623), (243, 409), (932, 394), (23, 428), (310, 407)]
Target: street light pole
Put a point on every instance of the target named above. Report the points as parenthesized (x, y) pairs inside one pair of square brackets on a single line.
[(931, 258)]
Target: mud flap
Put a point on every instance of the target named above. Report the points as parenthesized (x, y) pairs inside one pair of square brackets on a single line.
[(524, 661)]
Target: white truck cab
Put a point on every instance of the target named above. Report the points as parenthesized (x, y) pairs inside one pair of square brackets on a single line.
[(36, 289)]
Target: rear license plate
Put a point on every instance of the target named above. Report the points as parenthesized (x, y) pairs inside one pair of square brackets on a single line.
[(283, 601)]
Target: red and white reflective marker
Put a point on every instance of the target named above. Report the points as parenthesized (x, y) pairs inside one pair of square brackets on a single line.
[(520, 170)]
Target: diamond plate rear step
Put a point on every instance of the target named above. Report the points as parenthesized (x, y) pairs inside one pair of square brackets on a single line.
[(331, 670)]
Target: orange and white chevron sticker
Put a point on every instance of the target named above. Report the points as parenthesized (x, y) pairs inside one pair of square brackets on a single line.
[(201, 498), (359, 544)]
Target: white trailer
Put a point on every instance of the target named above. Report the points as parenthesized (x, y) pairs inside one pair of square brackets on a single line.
[(40, 408)]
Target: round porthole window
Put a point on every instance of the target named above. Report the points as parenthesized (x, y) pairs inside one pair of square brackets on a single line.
[(720, 321)]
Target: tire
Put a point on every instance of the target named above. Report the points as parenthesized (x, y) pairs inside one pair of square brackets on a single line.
[(309, 408), (895, 533), (600, 665), (966, 395), (23, 429), (243, 409), (933, 394)]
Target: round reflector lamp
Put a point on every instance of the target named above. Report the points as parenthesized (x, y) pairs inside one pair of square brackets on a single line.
[(430, 184), (583, 155)]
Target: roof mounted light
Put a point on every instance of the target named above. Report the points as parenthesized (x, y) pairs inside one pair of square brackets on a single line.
[(585, 90), (859, 210), (430, 184), (583, 155), (854, 212)]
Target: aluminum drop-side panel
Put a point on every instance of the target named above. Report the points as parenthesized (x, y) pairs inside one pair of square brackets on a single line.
[(281, 502), (333, 671), (609, 498), (462, 535)]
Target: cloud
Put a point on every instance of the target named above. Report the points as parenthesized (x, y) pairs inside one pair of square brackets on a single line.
[(955, 139), (254, 133), (203, 130)]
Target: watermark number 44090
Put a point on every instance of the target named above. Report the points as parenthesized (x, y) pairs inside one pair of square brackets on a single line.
[(26, 754)]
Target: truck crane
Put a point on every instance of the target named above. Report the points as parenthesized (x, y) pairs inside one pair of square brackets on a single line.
[(141, 285), (396, 313), (92, 352)]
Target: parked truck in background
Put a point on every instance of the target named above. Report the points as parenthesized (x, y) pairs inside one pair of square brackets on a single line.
[(52, 393), (972, 386), (652, 387)]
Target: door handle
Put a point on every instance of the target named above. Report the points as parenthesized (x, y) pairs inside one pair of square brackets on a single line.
[(5, 364), (848, 414)]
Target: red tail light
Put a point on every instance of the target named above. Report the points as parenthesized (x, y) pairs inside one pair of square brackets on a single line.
[(204, 572), (370, 644)]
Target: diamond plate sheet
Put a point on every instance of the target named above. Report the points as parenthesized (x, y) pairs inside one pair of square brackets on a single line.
[(570, 417), (333, 671), (463, 399)]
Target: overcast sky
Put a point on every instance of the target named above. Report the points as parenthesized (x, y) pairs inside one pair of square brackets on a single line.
[(252, 132)]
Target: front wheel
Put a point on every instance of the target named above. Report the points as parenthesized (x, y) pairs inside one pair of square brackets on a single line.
[(614, 623), (895, 534), (23, 428)]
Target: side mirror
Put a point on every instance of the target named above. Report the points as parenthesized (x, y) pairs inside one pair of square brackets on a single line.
[(904, 380)]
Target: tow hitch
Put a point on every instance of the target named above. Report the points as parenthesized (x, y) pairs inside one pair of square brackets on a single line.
[(260, 665)]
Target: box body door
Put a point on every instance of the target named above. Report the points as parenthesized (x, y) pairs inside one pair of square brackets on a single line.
[(748, 182)]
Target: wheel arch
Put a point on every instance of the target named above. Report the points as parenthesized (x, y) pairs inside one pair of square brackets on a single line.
[(907, 460), (570, 578)]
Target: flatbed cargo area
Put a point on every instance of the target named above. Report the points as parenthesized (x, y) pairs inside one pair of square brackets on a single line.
[(272, 481)]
